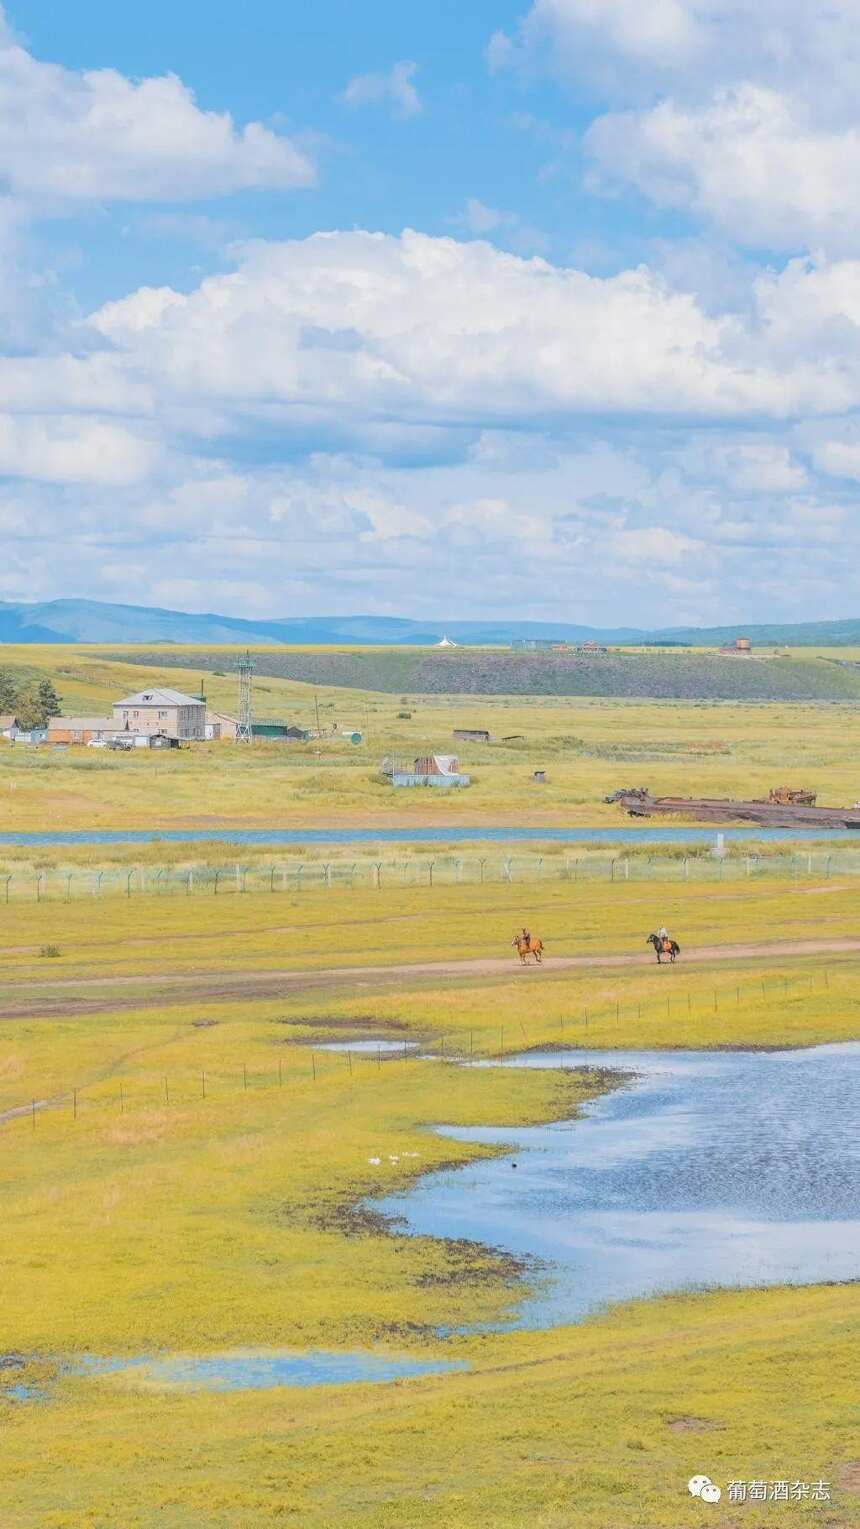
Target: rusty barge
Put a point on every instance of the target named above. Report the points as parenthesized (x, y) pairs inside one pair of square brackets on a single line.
[(776, 812)]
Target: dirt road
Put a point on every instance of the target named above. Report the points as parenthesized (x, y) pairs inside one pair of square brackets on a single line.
[(102, 994)]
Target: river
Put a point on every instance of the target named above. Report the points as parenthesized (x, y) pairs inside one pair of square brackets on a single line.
[(452, 834)]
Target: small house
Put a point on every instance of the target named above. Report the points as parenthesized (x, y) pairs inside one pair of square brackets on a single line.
[(741, 648), (80, 729), (219, 725), (472, 734), (540, 777)]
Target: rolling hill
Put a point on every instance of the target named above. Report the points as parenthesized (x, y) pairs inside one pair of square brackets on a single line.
[(77, 621)]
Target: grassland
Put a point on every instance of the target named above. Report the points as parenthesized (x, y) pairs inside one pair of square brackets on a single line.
[(588, 747), (197, 1194), (632, 673)]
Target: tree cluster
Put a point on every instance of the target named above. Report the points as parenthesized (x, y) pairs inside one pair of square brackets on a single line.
[(33, 703)]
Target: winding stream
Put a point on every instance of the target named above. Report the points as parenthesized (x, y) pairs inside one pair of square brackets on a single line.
[(708, 1168)]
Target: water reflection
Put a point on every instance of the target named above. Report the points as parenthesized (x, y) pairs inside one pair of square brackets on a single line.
[(732, 1168)]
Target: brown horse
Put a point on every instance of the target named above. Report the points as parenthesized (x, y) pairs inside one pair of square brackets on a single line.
[(535, 948)]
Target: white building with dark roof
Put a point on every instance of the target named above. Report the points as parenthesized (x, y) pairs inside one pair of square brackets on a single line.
[(161, 711)]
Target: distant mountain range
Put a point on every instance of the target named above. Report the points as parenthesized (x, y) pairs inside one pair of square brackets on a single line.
[(92, 621)]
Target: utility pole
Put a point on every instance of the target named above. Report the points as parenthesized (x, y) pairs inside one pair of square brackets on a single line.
[(317, 710), (245, 719)]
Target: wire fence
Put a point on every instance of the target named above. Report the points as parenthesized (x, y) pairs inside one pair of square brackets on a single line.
[(376, 874), (695, 1005)]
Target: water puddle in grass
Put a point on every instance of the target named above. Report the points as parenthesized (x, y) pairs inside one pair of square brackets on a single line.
[(240, 1370), (708, 1168), (368, 1048)]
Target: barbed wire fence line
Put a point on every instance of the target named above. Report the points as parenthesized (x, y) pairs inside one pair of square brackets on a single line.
[(394, 872), (192, 1087)]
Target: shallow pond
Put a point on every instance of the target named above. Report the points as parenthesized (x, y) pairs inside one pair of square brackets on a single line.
[(709, 1168)]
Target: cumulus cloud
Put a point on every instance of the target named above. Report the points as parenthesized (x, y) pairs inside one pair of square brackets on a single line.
[(69, 136), (755, 128), (621, 47), (394, 89), (422, 328), (751, 162), (67, 450)]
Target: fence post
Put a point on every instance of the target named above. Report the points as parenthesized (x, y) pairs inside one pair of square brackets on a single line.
[(482, 863), (377, 866), (128, 879), (8, 880), (430, 868), (69, 879), (215, 884)]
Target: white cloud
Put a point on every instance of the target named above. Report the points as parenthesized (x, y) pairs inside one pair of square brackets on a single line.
[(751, 162), (621, 47), (840, 459), (93, 135), (745, 118), (67, 450), (508, 228), (427, 329), (394, 89)]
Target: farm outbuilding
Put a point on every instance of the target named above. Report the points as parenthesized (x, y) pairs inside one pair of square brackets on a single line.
[(80, 729), (219, 725), (440, 770), (8, 727), (472, 734)]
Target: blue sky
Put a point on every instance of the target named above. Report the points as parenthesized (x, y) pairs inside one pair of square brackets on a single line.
[(532, 307)]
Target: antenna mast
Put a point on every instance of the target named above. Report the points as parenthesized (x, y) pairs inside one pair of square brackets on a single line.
[(245, 719)]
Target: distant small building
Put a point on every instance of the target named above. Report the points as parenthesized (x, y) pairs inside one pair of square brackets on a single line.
[(8, 727), (278, 732), (540, 777), (472, 734), (439, 770), (589, 648), (741, 647), (540, 645), (80, 729), (219, 725), (161, 711), (31, 735)]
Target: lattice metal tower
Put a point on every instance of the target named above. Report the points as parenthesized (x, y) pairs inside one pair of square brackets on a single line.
[(245, 718)]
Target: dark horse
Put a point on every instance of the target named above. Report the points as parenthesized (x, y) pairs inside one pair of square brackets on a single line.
[(662, 948)]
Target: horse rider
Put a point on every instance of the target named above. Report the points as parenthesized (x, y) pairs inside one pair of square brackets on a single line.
[(527, 939), (663, 937)]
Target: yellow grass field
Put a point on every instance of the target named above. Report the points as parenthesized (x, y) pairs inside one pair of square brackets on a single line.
[(588, 748), (188, 1181)]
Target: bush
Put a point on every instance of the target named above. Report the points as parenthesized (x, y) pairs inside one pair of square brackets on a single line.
[(50, 950)]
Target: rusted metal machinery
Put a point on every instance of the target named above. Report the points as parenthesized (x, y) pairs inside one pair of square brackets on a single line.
[(798, 812)]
